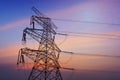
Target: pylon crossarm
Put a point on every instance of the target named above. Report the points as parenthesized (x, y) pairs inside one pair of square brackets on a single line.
[(33, 33), (44, 22), (39, 14), (35, 55), (62, 34), (67, 52), (67, 68), (30, 53)]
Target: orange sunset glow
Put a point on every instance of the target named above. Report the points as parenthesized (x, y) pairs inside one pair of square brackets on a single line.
[(90, 29)]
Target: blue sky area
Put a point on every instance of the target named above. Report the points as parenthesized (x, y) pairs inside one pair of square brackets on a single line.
[(15, 16)]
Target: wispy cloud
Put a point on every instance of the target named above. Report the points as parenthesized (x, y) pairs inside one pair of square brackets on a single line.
[(74, 44), (12, 50), (58, 13), (9, 51), (14, 24)]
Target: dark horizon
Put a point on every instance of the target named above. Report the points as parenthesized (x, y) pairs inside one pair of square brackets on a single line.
[(10, 72)]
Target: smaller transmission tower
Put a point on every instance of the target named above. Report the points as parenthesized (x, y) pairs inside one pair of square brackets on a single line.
[(45, 58)]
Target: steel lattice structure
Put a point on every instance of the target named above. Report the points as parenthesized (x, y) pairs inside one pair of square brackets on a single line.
[(46, 65)]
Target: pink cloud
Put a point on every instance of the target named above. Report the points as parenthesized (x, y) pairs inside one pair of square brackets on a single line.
[(26, 21), (14, 24), (69, 11), (10, 50)]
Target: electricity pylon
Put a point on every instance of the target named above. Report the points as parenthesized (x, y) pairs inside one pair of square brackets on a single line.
[(46, 65)]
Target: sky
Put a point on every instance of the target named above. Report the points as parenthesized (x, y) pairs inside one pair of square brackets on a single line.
[(15, 16)]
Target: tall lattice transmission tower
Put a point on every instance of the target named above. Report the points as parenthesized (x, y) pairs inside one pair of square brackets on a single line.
[(45, 58)]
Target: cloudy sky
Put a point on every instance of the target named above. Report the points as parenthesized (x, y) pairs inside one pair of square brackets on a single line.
[(75, 16)]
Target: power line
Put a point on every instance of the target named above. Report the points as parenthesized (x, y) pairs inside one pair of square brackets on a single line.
[(99, 55), (113, 35), (87, 54), (91, 35), (79, 21), (98, 37), (90, 70)]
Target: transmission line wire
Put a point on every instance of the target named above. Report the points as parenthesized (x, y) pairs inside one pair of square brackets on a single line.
[(80, 21), (97, 70), (86, 54), (98, 37), (103, 36), (99, 55), (92, 35), (112, 35)]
